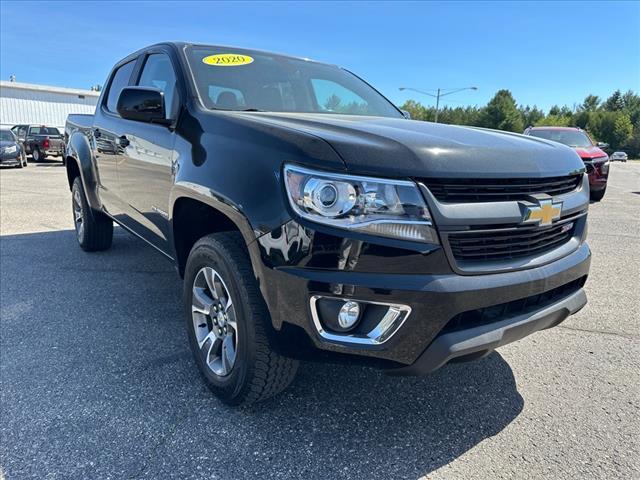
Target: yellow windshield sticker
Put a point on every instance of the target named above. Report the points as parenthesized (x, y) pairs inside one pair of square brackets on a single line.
[(227, 60)]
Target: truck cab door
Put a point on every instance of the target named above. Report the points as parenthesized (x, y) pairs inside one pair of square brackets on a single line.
[(104, 139), (146, 170)]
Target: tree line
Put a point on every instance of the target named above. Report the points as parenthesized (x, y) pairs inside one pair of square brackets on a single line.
[(615, 120)]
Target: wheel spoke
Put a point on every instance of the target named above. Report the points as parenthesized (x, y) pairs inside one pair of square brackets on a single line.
[(211, 336), (201, 303), (227, 303), (231, 320), (214, 347), (228, 354), (210, 277)]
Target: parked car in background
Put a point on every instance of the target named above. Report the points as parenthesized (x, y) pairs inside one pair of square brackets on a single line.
[(619, 157), (40, 141), (11, 151), (592, 154)]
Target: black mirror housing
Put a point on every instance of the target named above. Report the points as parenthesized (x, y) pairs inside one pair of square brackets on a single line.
[(142, 104)]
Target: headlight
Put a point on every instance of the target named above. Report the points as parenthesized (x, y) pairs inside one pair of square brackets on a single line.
[(389, 208), (11, 149)]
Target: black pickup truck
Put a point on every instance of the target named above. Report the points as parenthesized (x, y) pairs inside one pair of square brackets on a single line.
[(40, 141), (311, 220)]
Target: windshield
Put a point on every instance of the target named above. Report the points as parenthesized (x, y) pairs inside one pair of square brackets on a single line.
[(7, 136), (234, 79), (573, 138)]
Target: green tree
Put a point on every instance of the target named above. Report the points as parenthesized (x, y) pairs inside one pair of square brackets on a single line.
[(631, 103), (416, 110), (502, 113), (591, 103), (615, 102), (622, 130), (554, 121), (554, 110), (531, 115)]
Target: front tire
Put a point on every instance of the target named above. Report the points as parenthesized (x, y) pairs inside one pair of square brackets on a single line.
[(94, 230), (228, 323), (599, 195)]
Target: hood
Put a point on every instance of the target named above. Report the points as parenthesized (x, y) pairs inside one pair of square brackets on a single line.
[(6, 143), (407, 148), (591, 153)]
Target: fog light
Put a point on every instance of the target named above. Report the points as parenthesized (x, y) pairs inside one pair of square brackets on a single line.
[(349, 314)]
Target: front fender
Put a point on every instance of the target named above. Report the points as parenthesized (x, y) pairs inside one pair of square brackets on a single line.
[(185, 189), (193, 191), (79, 149)]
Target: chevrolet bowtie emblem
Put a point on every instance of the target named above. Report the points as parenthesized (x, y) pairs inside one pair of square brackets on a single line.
[(543, 214)]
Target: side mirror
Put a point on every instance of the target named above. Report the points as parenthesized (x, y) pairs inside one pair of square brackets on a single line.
[(602, 145), (142, 104), (406, 114)]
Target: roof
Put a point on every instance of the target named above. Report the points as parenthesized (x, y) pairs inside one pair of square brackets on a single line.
[(551, 127), (48, 88), (181, 45)]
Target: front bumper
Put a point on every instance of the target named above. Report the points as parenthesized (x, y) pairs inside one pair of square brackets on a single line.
[(478, 341), (434, 299), (13, 158), (598, 174)]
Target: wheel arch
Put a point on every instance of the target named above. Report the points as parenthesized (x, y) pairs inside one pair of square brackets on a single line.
[(79, 162), (195, 215)]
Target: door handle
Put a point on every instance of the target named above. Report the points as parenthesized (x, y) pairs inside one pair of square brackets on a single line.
[(123, 141)]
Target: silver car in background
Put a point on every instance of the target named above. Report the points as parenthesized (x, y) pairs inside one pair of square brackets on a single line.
[(618, 157)]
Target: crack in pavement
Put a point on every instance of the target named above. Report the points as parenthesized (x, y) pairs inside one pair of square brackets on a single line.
[(630, 336)]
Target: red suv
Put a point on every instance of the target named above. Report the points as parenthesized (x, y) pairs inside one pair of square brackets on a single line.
[(595, 159)]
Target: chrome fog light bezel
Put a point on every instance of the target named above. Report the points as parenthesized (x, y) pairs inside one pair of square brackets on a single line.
[(391, 322)]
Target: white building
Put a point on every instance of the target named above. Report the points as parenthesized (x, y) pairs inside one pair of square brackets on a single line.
[(42, 104)]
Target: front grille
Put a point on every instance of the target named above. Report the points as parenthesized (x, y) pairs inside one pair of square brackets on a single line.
[(498, 189), (495, 313), (510, 243)]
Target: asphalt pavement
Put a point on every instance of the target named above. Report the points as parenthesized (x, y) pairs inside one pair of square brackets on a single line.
[(97, 381)]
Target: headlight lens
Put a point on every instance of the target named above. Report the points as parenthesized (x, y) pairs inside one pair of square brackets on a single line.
[(11, 149), (388, 208)]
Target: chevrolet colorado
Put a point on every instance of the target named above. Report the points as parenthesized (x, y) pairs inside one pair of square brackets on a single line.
[(311, 220)]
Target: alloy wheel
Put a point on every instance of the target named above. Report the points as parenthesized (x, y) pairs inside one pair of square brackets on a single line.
[(214, 321), (78, 216)]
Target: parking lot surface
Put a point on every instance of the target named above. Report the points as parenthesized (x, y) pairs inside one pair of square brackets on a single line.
[(97, 380)]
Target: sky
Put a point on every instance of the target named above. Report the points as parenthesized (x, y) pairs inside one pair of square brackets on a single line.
[(546, 53)]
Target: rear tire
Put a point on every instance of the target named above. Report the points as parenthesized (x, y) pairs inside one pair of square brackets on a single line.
[(599, 195), (94, 230), (36, 155), (219, 276)]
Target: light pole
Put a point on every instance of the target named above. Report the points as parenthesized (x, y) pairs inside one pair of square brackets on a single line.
[(441, 93)]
